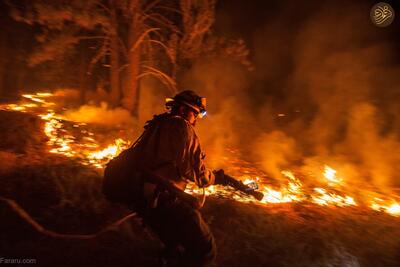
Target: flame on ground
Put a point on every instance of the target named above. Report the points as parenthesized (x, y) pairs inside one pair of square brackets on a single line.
[(61, 141), (330, 175), (89, 151), (379, 204), (107, 153)]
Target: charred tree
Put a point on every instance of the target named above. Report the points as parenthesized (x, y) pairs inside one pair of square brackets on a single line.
[(132, 39), (130, 99)]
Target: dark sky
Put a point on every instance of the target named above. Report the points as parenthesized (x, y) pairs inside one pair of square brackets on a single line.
[(271, 30), (245, 18)]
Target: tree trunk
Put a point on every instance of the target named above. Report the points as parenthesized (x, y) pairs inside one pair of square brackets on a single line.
[(130, 99), (115, 94), (83, 79)]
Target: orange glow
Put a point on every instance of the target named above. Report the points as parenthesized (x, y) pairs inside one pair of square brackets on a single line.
[(322, 197), (391, 207), (83, 144), (330, 175), (60, 141), (107, 153)]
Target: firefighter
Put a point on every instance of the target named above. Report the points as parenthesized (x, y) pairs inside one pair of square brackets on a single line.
[(169, 149)]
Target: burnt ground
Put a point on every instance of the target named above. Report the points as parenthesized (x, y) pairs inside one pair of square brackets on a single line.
[(65, 196)]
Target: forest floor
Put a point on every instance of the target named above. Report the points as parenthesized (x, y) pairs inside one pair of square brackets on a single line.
[(64, 196)]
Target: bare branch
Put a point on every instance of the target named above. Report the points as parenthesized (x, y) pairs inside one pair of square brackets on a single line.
[(167, 50), (169, 9), (102, 52), (92, 37), (141, 38), (103, 7), (161, 20), (151, 5), (163, 77), (123, 67)]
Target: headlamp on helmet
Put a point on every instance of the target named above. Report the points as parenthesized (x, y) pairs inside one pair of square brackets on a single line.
[(189, 99)]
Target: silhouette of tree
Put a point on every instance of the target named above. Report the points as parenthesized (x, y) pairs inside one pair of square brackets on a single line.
[(133, 38)]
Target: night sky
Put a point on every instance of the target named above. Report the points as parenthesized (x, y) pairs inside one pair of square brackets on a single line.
[(270, 29)]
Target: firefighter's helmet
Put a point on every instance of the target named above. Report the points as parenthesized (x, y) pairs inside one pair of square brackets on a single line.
[(190, 99)]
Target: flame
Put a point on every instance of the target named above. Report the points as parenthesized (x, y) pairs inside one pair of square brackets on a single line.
[(60, 141), (324, 198), (379, 204), (289, 193), (394, 209), (330, 175), (107, 153), (76, 140)]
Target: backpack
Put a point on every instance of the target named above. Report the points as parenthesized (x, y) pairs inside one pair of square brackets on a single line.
[(121, 184)]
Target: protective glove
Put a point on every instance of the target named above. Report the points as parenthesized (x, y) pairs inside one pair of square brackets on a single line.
[(220, 177)]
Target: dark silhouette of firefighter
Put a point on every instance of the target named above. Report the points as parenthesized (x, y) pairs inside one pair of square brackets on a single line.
[(151, 176), (167, 156)]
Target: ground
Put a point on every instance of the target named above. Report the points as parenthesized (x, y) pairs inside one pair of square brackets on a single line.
[(64, 196)]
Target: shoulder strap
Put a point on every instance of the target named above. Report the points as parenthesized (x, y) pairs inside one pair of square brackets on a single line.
[(149, 124)]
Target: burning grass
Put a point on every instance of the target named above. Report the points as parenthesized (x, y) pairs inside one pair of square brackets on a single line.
[(53, 169), (92, 145)]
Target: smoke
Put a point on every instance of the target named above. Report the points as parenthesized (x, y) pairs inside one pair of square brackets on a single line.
[(152, 99), (95, 111), (275, 149), (67, 97), (339, 73), (228, 117), (100, 115), (371, 146), (325, 91)]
